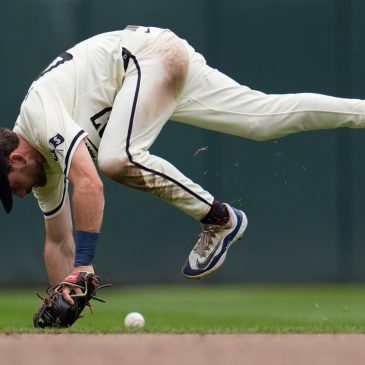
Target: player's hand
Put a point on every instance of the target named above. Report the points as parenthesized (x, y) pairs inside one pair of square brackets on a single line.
[(67, 300), (68, 291)]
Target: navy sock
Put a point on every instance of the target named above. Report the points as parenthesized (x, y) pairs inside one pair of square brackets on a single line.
[(218, 214)]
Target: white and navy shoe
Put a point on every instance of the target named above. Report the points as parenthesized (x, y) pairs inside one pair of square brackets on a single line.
[(211, 249)]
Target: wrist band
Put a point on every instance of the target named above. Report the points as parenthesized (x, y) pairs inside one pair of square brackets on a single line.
[(85, 247)]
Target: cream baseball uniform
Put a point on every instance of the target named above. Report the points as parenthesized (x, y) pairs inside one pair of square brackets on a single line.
[(116, 91)]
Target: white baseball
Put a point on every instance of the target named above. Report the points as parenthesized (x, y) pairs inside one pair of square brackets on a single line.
[(134, 320)]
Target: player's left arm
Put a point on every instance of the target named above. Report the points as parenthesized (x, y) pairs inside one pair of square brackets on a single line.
[(88, 209), (88, 193)]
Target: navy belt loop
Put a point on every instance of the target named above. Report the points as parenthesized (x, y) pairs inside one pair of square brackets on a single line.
[(126, 55)]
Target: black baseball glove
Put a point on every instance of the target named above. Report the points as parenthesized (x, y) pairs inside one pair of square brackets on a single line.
[(56, 312)]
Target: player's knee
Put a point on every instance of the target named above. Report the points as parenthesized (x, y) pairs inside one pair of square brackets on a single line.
[(261, 133), (114, 168)]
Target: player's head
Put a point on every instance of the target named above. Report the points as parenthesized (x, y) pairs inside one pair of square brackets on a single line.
[(8, 143), (21, 168)]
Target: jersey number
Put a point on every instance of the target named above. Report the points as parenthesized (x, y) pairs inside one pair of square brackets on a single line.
[(61, 59), (100, 120)]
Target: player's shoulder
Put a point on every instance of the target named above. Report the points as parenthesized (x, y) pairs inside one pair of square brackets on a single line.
[(31, 122), (31, 108)]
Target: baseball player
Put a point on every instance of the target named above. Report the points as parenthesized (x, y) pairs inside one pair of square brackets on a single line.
[(107, 99)]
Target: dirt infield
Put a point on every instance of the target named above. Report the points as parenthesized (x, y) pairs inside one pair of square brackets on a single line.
[(138, 349)]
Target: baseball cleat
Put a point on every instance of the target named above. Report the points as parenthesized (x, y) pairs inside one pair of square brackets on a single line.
[(211, 249)]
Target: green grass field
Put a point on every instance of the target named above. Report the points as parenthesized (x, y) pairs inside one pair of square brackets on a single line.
[(206, 309)]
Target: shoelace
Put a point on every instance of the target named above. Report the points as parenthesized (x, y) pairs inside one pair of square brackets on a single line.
[(206, 238)]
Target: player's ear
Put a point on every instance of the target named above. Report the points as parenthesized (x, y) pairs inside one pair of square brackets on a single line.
[(17, 159)]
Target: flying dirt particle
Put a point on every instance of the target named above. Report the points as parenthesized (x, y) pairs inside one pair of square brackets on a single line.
[(201, 149)]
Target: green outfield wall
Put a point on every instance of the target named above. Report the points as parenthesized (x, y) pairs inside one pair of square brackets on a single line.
[(304, 194)]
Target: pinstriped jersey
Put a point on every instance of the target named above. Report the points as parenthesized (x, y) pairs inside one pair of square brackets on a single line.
[(70, 101)]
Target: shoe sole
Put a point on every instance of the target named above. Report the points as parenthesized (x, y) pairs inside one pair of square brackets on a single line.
[(221, 260)]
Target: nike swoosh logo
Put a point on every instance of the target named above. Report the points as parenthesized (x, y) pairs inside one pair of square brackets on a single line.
[(206, 262)]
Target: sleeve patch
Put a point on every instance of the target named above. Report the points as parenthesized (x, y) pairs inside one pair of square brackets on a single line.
[(55, 146)]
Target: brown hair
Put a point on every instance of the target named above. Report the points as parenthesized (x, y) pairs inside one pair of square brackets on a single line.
[(9, 141)]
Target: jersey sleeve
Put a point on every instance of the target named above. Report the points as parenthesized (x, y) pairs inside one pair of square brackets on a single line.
[(53, 132), (51, 198)]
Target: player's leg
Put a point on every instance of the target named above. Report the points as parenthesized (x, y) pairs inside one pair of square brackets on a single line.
[(148, 97), (214, 101), (143, 105)]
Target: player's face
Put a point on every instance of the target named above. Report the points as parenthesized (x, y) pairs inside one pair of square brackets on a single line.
[(23, 179)]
